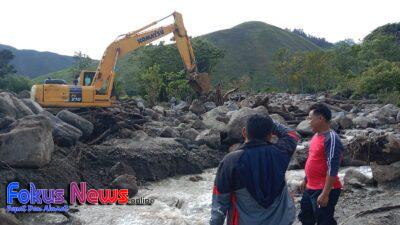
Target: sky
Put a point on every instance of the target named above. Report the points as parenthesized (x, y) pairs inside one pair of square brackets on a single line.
[(89, 26)]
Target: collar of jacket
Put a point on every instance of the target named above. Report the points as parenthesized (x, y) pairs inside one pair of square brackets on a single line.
[(253, 144)]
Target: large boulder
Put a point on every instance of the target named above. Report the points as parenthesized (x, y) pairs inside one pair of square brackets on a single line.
[(354, 178), (126, 181), (64, 135), (29, 143), (21, 109), (386, 173), (304, 128), (278, 118), (77, 121), (153, 114), (197, 107), (238, 121), (7, 107), (209, 137), (33, 106), (169, 132), (386, 111), (190, 134), (212, 119), (363, 122), (343, 121), (152, 158)]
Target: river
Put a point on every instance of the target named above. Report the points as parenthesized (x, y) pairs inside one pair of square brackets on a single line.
[(177, 201)]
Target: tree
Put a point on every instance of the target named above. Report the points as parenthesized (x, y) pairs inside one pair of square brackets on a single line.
[(81, 62), (5, 58), (150, 84)]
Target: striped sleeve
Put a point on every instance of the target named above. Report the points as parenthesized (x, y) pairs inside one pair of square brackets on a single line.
[(333, 150)]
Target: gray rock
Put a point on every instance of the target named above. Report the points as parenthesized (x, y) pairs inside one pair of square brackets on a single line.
[(386, 173), (343, 121), (304, 128), (363, 122), (210, 105), (7, 107), (64, 134), (22, 109), (29, 144), (159, 109), (121, 168), (190, 134), (209, 137), (231, 106), (197, 107), (153, 114), (5, 122), (24, 94), (126, 181), (211, 121), (182, 105), (198, 125), (354, 178), (261, 110), (77, 121), (172, 113), (8, 218), (169, 132), (278, 118), (33, 106), (393, 142), (238, 121), (388, 110)]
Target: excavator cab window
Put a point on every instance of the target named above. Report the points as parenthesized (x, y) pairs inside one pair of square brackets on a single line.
[(88, 78)]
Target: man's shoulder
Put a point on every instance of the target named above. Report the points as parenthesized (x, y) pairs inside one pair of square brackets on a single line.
[(233, 156)]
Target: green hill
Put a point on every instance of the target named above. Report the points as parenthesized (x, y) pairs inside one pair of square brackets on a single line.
[(33, 63), (249, 49)]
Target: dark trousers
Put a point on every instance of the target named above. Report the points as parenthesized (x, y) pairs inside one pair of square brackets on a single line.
[(311, 214)]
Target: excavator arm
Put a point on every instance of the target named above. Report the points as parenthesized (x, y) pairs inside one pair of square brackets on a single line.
[(104, 77)]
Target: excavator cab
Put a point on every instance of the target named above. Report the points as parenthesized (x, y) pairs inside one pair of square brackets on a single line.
[(86, 77)]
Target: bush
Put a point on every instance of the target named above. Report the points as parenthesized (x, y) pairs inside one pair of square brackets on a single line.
[(385, 76), (15, 83)]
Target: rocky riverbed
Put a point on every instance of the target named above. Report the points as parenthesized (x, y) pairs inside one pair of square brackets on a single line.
[(133, 145)]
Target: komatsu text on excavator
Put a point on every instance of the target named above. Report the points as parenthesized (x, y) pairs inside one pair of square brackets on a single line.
[(94, 87)]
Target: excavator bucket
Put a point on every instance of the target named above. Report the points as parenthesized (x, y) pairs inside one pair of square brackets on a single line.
[(200, 82)]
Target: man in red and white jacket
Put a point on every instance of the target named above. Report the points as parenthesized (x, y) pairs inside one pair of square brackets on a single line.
[(321, 186)]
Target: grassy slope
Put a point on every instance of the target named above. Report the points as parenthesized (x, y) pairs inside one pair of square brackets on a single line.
[(249, 49)]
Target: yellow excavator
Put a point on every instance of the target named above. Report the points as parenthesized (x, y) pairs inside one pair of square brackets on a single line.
[(94, 88)]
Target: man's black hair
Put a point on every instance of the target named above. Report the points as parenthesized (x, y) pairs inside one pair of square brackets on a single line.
[(258, 127), (322, 110)]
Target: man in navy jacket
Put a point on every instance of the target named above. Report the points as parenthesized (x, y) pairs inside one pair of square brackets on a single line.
[(250, 186)]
